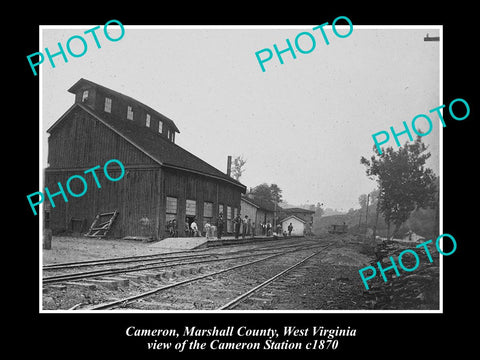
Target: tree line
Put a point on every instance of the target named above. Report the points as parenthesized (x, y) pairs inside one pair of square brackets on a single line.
[(405, 185)]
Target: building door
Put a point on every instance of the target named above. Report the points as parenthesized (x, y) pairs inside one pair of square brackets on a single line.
[(190, 215)]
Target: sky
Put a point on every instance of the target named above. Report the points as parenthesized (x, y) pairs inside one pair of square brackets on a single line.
[(302, 125)]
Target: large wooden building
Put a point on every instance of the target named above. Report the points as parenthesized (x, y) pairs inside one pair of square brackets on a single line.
[(162, 181)]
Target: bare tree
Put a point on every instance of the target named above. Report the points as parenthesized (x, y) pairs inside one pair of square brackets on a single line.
[(238, 167)]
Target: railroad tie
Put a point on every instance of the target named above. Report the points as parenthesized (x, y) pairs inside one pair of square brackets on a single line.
[(108, 284), (121, 282), (82, 285), (156, 276)]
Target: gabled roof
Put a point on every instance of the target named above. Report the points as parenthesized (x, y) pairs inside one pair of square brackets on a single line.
[(298, 210), (82, 82), (262, 204), (249, 201), (157, 147), (292, 217)]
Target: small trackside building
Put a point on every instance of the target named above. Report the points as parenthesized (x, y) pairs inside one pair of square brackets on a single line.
[(162, 181), (299, 225), (303, 214)]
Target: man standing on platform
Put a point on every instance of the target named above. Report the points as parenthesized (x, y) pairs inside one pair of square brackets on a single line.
[(246, 226), (219, 225), (175, 228), (194, 227), (237, 222)]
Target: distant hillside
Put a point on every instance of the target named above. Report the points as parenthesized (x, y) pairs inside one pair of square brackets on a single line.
[(330, 212), (285, 205), (321, 224), (421, 222)]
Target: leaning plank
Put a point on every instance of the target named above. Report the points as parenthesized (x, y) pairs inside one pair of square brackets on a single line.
[(102, 229)]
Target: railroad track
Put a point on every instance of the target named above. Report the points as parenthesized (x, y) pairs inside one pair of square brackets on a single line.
[(219, 293), (185, 254), (120, 260), (239, 299), (147, 262)]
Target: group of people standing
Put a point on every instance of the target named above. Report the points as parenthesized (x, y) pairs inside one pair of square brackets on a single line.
[(191, 229), (244, 226)]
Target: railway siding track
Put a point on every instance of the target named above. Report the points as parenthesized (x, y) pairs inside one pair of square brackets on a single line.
[(178, 295), (177, 255), (74, 288), (114, 266)]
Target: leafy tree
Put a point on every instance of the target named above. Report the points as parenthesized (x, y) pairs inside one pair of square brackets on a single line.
[(262, 191), (267, 192), (374, 196), (404, 182), (318, 209), (276, 193)]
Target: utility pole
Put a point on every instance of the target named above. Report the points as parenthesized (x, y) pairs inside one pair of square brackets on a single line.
[(359, 219), (366, 214), (275, 214), (379, 197)]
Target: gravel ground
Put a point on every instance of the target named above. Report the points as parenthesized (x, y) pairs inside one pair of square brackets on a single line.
[(329, 281)]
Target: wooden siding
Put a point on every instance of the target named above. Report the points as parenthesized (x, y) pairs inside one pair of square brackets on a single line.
[(183, 185), (264, 216), (140, 197), (80, 140), (136, 196), (250, 210)]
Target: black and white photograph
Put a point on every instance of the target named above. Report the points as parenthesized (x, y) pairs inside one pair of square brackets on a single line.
[(257, 186), (198, 176)]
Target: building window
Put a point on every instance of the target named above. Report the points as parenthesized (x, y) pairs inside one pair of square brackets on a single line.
[(168, 134), (160, 127), (220, 209), (207, 211), (129, 113), (191, 207), (171, 209), (85, 95), (108, 105), (147, 120)]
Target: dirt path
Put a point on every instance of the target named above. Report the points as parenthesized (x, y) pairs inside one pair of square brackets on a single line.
[(66, 249)]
